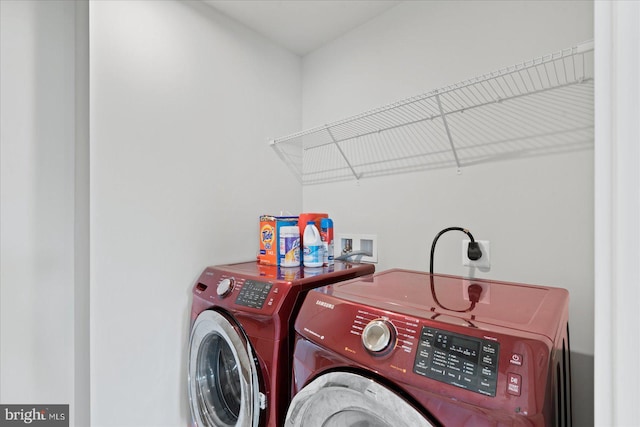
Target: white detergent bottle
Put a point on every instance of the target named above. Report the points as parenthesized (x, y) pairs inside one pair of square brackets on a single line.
[(313, 250)]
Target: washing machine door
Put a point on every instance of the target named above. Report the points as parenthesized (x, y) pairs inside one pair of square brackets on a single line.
[(223, 378), (343, 399)]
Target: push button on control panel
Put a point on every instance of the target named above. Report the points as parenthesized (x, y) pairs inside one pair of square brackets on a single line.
[(514, 384), (516, 359)]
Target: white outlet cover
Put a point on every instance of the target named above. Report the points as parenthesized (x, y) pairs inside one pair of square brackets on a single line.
[(484, 263), (356, 242)]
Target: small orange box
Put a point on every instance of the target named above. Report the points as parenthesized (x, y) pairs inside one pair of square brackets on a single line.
[(270, 237)]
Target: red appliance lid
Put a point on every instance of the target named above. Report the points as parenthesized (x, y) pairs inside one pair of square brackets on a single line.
[(512, 305)]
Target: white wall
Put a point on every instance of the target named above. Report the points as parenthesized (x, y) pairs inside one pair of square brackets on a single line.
[(617, 214), (183, 102), (39, 276), (419, 46)]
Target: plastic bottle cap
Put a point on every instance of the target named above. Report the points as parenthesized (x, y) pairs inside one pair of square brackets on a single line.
[(311, 222)]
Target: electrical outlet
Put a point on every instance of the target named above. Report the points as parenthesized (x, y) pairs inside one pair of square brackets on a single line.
[(346, 243), (484, 263), (485, 296)]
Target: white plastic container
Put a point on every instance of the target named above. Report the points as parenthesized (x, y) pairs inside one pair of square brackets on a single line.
[(313, 251), (289, 246)]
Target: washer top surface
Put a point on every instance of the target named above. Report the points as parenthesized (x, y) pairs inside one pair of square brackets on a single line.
[(512, 305), (297, 275)]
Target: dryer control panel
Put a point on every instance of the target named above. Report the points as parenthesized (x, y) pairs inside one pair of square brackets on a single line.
[(459, 360)]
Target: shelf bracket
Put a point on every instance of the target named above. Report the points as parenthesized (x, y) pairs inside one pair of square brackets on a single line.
[(335, 141), (446, 128)]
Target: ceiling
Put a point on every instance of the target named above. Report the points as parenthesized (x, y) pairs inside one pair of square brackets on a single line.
[(302, 26)]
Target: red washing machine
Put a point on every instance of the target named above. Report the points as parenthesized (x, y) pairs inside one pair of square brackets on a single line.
[(405, 348), (241, 339)]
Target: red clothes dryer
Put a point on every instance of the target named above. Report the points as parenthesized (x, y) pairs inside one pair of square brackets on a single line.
[(405, 348), (241, 339)]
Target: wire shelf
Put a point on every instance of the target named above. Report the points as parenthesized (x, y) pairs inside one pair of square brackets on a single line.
[(542, 106)]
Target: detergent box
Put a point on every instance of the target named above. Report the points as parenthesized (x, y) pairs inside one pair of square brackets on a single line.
[(270, 226)]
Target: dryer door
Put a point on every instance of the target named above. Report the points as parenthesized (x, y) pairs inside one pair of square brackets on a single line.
[(346, 399), (223, 379)]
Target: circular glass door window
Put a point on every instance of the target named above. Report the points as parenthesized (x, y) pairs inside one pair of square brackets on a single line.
[(218, 382), (223, 379)]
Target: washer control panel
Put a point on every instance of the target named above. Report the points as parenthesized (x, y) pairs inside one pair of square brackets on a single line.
[(253, 294), (466, 362)]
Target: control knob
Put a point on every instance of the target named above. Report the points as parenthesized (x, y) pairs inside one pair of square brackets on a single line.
[(225, 287), (379, 336)]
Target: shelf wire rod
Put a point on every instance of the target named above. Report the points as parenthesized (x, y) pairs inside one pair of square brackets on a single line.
[(555, 70), (552, 119), (534, 63), (451, 98), (514, 96), (413, 146), (424, 110), (422, 144), (501, 79), (533, 84), (573, 61), (539, 77), (396, 117), (546, 70), (342, 154), (582, 99), (473, 91), (515, 83), (526, 96), (497, 82), (574, 100), (472, 95), (513, 92), (482, 126), (524, 83), (520, 139), (415, 111), (381, 152), (446, 127), (532, 117), (425, 145), (400, 149), (336, 140), (492, 86), (524, 115), (349, 130), (564, 68), (429, 133), (569, 97), (437, 134), (374, 112), (491, 92), (380, 123)]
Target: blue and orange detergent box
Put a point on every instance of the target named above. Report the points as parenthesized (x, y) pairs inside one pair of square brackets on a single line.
[(270, 237)]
